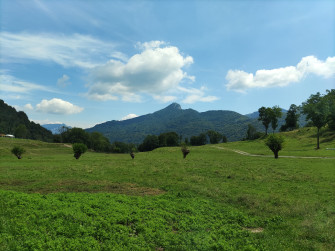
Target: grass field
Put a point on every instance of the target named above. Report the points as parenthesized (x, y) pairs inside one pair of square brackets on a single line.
[(215, 199)]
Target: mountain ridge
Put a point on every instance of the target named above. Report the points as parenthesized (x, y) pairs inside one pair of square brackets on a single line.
[(185, 122)]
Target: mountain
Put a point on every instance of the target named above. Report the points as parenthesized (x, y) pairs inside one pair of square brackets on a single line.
[(10, 120), (186, 122), (55, 128)]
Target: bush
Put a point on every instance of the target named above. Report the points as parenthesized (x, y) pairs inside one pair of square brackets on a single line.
[(79, 149), (18, 151), (275, 143), (184, 150)]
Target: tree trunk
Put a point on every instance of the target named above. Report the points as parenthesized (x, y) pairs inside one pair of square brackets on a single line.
[(318, 139), (276, 154)]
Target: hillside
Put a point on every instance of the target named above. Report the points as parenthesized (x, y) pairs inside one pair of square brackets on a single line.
[(10, 119), (186, 122)]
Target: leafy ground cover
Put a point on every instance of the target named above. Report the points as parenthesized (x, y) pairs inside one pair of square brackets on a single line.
[(212, 200), (84, 221)]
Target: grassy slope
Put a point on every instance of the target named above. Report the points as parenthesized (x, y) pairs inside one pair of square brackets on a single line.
[(206, 201), (301, 142)]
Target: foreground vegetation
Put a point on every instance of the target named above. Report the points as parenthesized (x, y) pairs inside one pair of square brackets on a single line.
[(215, 199)]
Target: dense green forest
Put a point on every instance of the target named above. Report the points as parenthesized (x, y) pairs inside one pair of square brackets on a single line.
[(18, 124)]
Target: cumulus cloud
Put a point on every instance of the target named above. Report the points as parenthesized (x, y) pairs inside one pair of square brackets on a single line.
[(129, 116), (63, 81), (58, 106), (29, 107), (67, 50), (156, 71), (241, 80)]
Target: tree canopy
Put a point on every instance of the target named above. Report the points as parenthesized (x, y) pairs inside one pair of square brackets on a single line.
[(265, 115), (291, 120), (317, 110)]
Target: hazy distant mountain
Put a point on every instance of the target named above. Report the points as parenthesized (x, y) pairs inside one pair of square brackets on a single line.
[(186, 123), (55, 128)]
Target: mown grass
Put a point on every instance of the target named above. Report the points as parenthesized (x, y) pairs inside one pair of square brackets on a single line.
[(209, 201), (301, 142)]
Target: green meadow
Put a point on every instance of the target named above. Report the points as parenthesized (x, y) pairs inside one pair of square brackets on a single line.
[(215, 199)]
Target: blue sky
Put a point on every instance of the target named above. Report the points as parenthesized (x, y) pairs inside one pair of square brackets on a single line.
[(87, 62)]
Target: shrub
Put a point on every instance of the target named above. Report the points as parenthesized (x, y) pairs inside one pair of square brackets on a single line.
[(184, 150), (275, 143), (18, 151), (79, 149)]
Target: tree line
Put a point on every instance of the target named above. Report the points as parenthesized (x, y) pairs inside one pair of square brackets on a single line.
[(152, 142), (94, 141), (319, 110)]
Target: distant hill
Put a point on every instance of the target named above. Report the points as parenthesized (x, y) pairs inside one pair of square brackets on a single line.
[(55, 128), (186, 123), (10, 119)]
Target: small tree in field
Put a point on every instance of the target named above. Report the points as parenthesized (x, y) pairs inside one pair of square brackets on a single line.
[(184, 150), (18, 151), (79, 149), (275, 143)]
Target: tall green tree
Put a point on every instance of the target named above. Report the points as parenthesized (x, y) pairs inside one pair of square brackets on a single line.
[(168, 139), (214, 137), (291, 120), (199, 140), (98, 142), (76, 135), (317, 110), (265, 115), (330, 99), (251, 132), (276, 113), (150, 143), (21, 131)]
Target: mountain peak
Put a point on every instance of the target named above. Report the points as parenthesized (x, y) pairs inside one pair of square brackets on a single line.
[(174, 106)]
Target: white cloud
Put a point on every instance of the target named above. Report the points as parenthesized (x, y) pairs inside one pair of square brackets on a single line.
[(164, 99), (12, 84), (241, 80), (63, 81), (155, 71), (29, 107), (129, 116), (57, 106), (67, 50), (196, 95)]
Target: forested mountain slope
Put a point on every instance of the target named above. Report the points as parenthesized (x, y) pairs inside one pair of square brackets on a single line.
[(186, 123), (10, 120)]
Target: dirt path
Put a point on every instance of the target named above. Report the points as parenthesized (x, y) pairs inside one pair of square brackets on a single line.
[(269, 156)]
